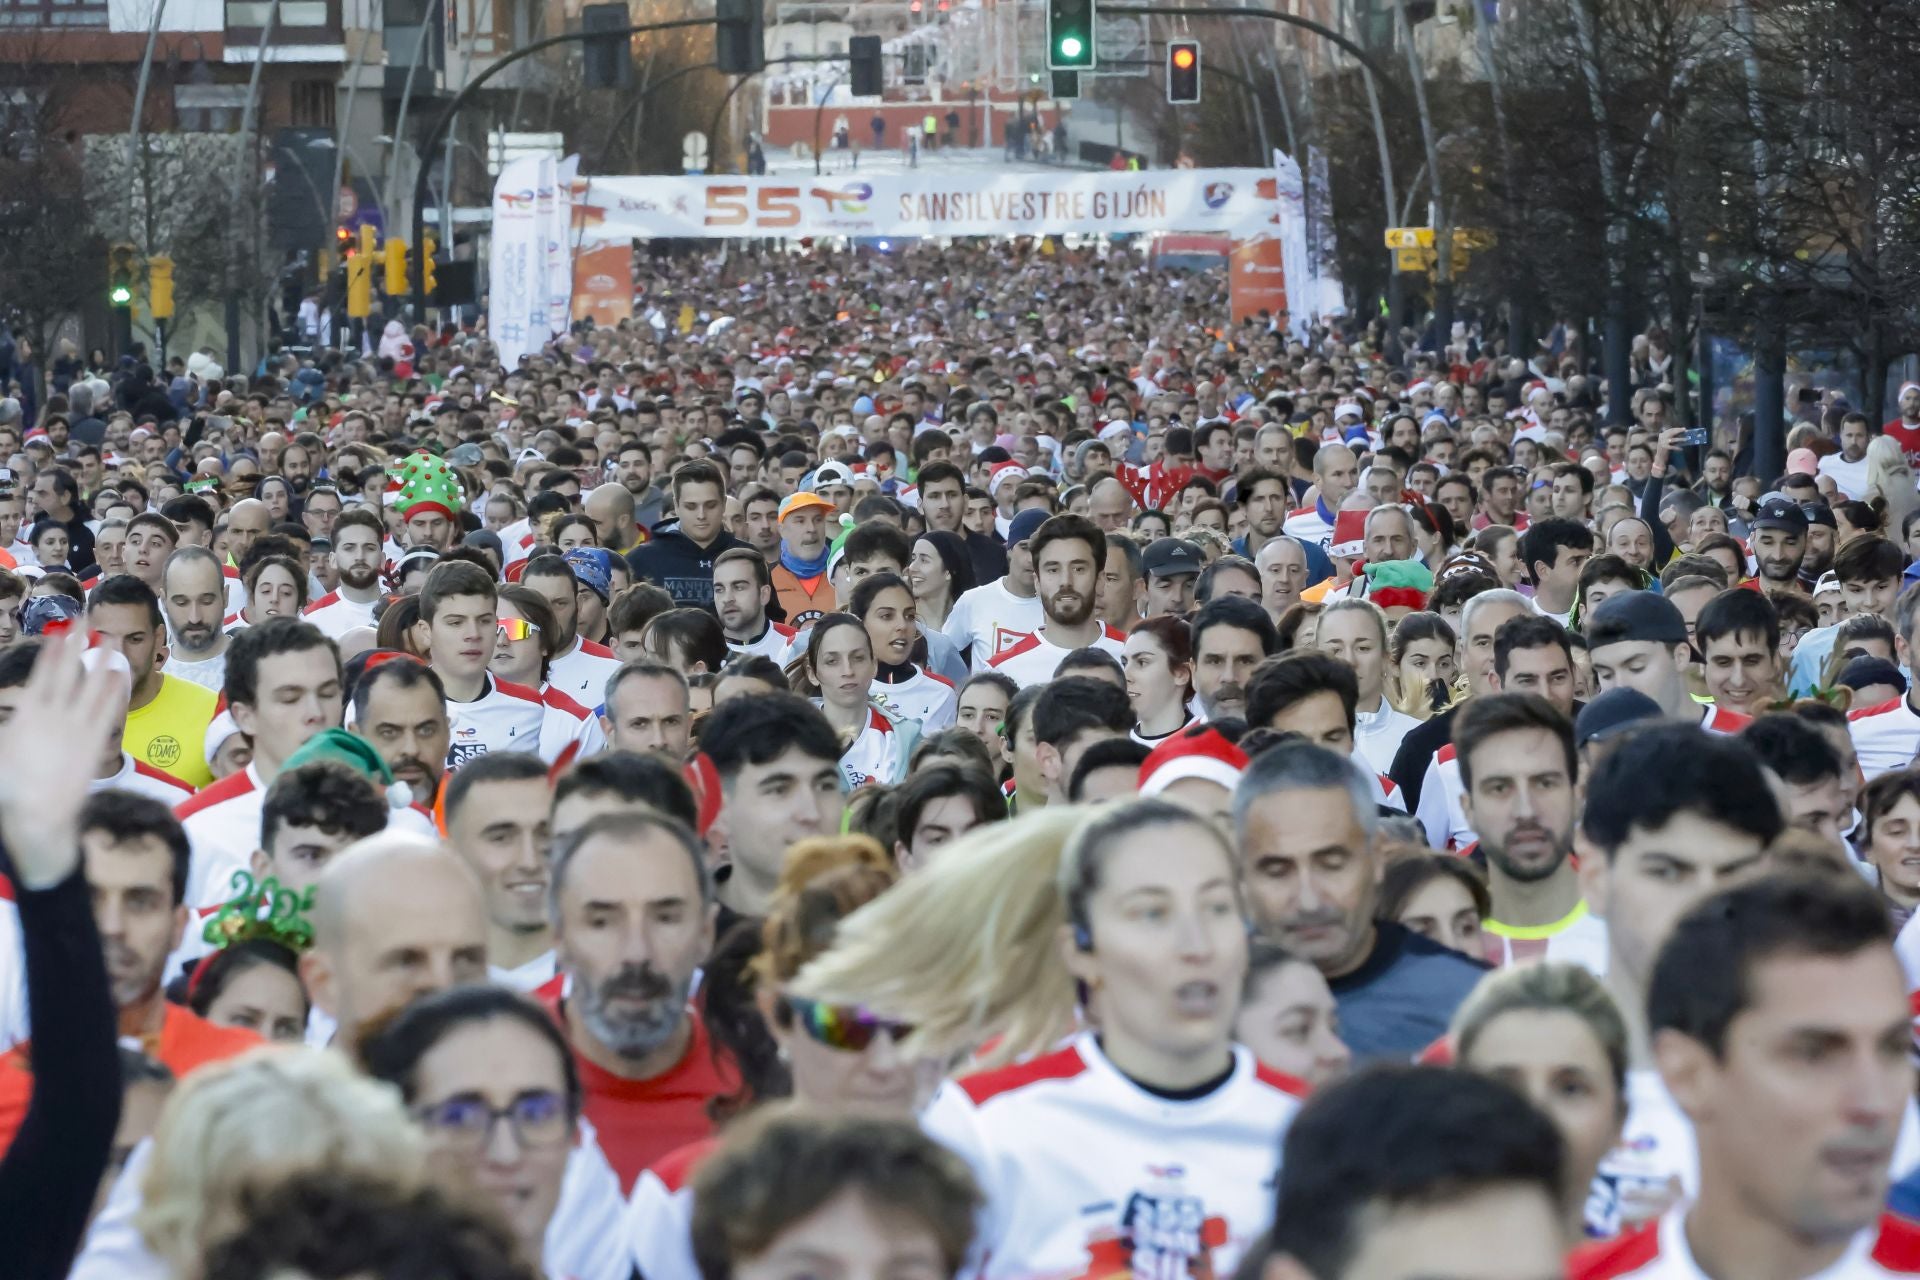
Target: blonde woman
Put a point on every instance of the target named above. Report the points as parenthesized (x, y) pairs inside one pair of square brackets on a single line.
[(1890, 484), (1154, 1116), (1551, 1031), (241, 1126)]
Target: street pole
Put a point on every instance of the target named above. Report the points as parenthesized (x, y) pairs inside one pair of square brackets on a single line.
[(137, 125), (1442, 217), (442, 123), (819, 112), (250, 157)]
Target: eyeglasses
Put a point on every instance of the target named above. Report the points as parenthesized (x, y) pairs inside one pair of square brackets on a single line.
[(841, 1026), (517, 628), (538, 1118)]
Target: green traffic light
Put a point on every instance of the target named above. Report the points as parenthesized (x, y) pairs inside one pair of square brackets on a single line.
[(120, 295), (1070, 46)]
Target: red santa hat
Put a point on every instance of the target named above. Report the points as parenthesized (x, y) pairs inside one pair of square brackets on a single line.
[(1003, 472), (1200, 751), (1349, 535)]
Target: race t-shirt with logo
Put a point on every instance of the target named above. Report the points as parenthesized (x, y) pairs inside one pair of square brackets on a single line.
[(1086, 1174), (506, 717), (170, 732), (988, 620), (878, 753), (923, 697)]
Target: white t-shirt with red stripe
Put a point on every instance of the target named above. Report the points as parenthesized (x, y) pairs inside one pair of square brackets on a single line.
[(1890, 1247), (924, 697), (565, 723), (1885, 737), (143, 779), (1033, 659), (336, 615), (660, 1214), (1440, 812), (223, 828), (1085, 1173), (773, 642), (582, 672)]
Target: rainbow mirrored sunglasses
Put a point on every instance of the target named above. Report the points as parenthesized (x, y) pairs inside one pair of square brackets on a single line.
[(843, 1026), (517, 628)]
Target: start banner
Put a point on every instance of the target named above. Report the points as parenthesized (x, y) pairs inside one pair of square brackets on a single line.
[(927, 203)]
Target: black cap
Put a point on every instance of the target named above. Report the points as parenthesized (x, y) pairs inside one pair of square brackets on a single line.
[(1165, 557), (1024, 526), (1635, 615), (1863, 671), (1819, 513), (1781, 513), (1616, 709)]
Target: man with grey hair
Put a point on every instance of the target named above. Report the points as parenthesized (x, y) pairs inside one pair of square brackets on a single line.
[(1480, 621), (84, 426), (634, 915), (194, 597), (1311, 860)]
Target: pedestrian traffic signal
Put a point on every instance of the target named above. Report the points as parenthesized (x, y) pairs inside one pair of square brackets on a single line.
[(160, 286), (122, 260), (1183, 71), (740, 37), (1069, 35), (863, 65), (396, 251), (428, 280)]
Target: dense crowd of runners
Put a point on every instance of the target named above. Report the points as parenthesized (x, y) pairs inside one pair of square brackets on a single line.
[(960, 762)]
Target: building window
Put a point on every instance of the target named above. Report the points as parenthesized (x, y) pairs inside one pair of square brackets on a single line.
[(209, 108), (311, 104), (53, 13)]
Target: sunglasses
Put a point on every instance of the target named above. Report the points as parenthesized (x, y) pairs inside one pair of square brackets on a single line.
[(840, 1026), (517, 628)]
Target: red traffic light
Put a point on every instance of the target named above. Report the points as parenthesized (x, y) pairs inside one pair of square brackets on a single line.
[(1183, 58)]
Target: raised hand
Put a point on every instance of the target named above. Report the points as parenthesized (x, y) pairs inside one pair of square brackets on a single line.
[(49, 750)]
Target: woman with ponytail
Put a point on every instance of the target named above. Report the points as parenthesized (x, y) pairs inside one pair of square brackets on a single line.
[(1143, 1141)]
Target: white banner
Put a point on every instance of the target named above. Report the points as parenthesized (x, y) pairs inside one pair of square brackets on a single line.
[(1237, 201), (530, 288), (1292, 206)]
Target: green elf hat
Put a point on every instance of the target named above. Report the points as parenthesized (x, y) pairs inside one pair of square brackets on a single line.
[(341, 747), (424, 484), (1392, 583)]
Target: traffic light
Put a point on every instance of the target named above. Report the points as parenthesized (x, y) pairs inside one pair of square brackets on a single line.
[(360, 286), (608, 56), (343, 243), (396, 251), (863, 65), (740, 37), (1069, 35), (428, 280), (369, 240), (1183, 71), (160, 286), (1066, 85), (122, 260)]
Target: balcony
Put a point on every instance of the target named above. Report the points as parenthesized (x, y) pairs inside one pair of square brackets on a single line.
[(316, 24)]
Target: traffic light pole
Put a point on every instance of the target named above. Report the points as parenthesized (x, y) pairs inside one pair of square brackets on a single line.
[(445, 119), (1375, 76)]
